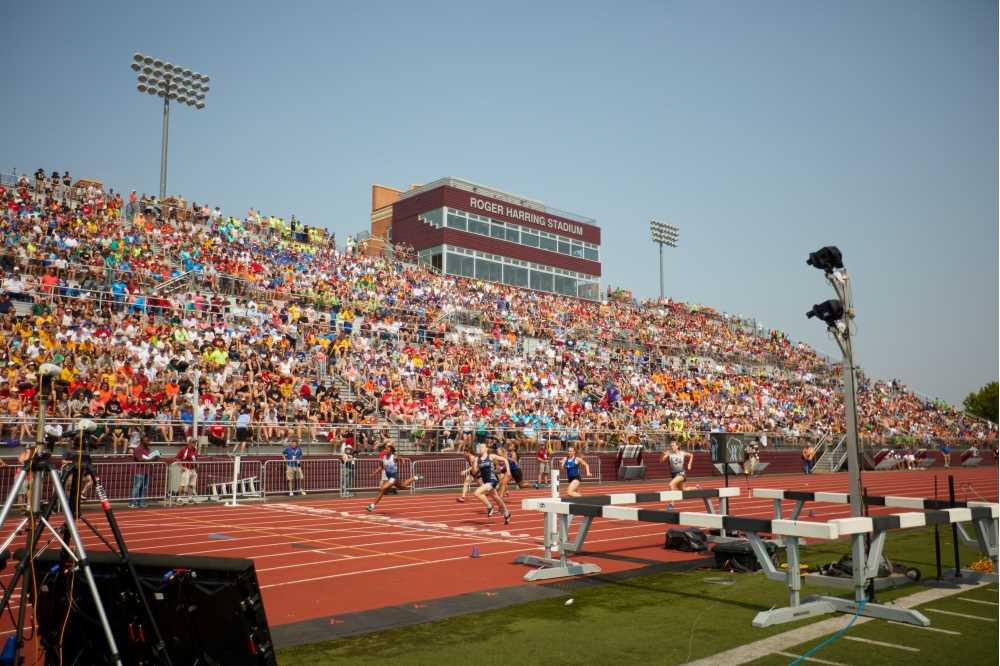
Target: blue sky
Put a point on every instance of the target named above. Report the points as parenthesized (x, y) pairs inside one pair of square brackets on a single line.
[(764, 130)]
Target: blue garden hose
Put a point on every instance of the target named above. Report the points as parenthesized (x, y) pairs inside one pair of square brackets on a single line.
[(838, 634)]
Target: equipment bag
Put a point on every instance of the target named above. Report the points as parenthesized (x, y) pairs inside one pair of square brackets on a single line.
[(738, 556), (688, 539)]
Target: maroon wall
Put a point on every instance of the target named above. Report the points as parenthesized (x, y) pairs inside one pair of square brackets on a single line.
[(782, 462)]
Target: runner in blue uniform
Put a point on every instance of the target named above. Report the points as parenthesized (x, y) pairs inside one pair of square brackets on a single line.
[(514, 472), (391, 469), (571, 464), (486, 463)]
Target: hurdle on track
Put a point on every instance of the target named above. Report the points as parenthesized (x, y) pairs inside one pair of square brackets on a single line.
[(791, 531), (555, 533), (982, 515), (737, 468)]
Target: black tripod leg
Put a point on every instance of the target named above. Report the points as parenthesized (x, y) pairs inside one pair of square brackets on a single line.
[(159, 647)]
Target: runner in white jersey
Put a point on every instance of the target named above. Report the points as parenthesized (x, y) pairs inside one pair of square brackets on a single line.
[(391, 470), (678, 469)]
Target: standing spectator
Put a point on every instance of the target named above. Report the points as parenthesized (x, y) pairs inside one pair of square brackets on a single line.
[(242, 429), (752, 458), (187, 458), (808, 454), (946, 454), (140, 472), (544, 463), (347, 464), (293, 467)]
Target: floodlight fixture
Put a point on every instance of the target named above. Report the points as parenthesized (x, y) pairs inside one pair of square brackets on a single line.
[(173, 83), (829, 312), (663, 234), (827, 259)]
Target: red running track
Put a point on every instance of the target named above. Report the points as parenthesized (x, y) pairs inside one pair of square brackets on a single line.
[(317, 558)]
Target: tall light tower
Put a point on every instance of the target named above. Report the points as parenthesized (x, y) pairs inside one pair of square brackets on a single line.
[(664, 234), (171, 82), (838, 315)]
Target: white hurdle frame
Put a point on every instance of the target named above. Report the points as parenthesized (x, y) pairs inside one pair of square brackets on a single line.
[(790, 531), (556, 526), (985, 526)]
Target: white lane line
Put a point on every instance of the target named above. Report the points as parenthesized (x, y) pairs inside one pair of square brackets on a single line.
[(978, 601), (815, 660), (916, 626), (907, 648), (965, 615)]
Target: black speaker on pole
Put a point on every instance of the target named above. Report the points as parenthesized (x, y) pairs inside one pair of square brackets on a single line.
[(209, 610)]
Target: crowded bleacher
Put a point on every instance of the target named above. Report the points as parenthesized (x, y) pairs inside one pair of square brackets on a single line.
[(165, 316)]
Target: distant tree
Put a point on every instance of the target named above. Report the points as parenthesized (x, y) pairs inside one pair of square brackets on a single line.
[(984, 402)]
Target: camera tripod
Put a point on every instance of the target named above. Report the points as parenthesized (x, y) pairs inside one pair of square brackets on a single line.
[(36, 519)]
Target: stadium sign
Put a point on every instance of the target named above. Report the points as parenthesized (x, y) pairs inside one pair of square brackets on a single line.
[(525, 215)]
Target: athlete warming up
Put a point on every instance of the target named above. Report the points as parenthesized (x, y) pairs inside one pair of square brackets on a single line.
[(678, 469), (486, 464), (391, 470), (571, 464)]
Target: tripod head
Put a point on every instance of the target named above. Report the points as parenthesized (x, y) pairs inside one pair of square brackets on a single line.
[(39, 460)]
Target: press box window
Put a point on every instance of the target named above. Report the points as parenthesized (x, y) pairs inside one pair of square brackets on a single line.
[(435, 216), (461, 265)]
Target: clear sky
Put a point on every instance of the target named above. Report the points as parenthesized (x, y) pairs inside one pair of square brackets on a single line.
[(763, 129)]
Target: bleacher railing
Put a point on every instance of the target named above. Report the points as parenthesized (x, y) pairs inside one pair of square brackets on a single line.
[(327, 437)]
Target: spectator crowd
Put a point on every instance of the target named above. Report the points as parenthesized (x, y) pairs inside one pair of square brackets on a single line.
[(259, 329)]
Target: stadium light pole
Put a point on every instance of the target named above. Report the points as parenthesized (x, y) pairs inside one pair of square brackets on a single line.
[(838, 314), (172, 83), (663, 234)]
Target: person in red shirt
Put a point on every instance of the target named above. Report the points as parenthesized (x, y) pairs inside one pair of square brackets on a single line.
[(187, 458), (544, 464), (217, 435)]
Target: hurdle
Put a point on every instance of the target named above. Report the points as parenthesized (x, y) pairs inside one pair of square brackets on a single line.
[(970, 458), (982, 515), (556, 538), (230, 491), (791, 531), (737, 468)]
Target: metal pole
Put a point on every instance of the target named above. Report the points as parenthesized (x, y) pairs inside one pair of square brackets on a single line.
[(661, 271), (40, 430), (858, 550), (937, 537), (954, 526), (195, 407), (853, 455), (163, 149)]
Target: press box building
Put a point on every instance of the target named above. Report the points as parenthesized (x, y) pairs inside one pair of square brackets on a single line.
[(471, 230)]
